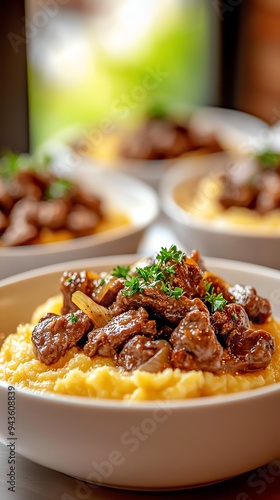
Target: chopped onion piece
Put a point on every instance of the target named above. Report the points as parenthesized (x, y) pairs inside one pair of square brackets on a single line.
[(98, 314), (158, 361)]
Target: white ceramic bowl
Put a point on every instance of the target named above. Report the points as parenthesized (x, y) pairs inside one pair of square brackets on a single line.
[(225, 241), (118, 192), (236, 131), (144, 445)]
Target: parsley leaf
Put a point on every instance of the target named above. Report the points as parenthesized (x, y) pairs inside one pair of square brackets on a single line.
[(172, 254), (176, 292), (214, 302), (268, 159), (120, 271), (74, 318), (58, 189), (133, 285)]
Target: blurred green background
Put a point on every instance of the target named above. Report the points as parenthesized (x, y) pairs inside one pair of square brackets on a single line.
[(102, 63)]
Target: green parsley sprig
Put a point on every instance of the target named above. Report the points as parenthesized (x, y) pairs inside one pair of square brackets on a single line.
[(172, 254), (58, 189), (74, 318), (120, 271), (155, 274), (12, 163), (214, 302), (268, 159)]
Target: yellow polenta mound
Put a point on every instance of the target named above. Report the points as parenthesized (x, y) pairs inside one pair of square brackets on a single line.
[(77, 374)]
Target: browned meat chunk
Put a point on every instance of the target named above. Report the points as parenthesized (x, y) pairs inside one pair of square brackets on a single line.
[(257, 308), (195, 255), (106, 340), (106, 293), (219, 285), (188, 276), (6, 200), (52, 214), (24, 211), (232, 318), (81, 220), (195, 345), (88, 200), (235, 195), (156, 302), (4, 222), (19, 234), (144, 354), (269, 195), (54, 335), (25, 184), (23, 223), (248, 351), (71, 282)]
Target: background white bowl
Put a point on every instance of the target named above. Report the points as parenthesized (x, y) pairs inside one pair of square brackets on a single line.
[(145, 445), (231, 242), (118, 192), (237, 131)]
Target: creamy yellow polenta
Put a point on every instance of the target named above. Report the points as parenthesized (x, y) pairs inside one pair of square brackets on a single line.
[(77, 374)]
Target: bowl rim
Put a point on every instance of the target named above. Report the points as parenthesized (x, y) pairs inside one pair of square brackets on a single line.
[(150, 200), (181, 173), (190, 403), (132, 405)]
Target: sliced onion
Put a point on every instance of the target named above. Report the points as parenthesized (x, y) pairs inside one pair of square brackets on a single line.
[(93, 275), (99, 315), (160, 360), (105, 288)]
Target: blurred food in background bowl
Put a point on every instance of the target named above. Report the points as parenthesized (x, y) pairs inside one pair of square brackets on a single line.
[(238, 219), (146, 149), (39, 207), (48, 218)]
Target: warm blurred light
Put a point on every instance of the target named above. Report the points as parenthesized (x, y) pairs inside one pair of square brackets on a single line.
[(62, 59), (130, 22)]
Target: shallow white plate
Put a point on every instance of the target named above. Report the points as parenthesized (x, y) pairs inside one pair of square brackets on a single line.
[(118, 192), (144, 445)]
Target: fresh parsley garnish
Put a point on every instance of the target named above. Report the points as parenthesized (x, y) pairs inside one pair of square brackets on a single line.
[(102, 281), (74, 318), (58, 189), (175, 292), (157, 273), (214, 302), (234, 317), (133, 284), (69, 279), (268, 159), (13, 163), (172, 254), (120, 271)]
